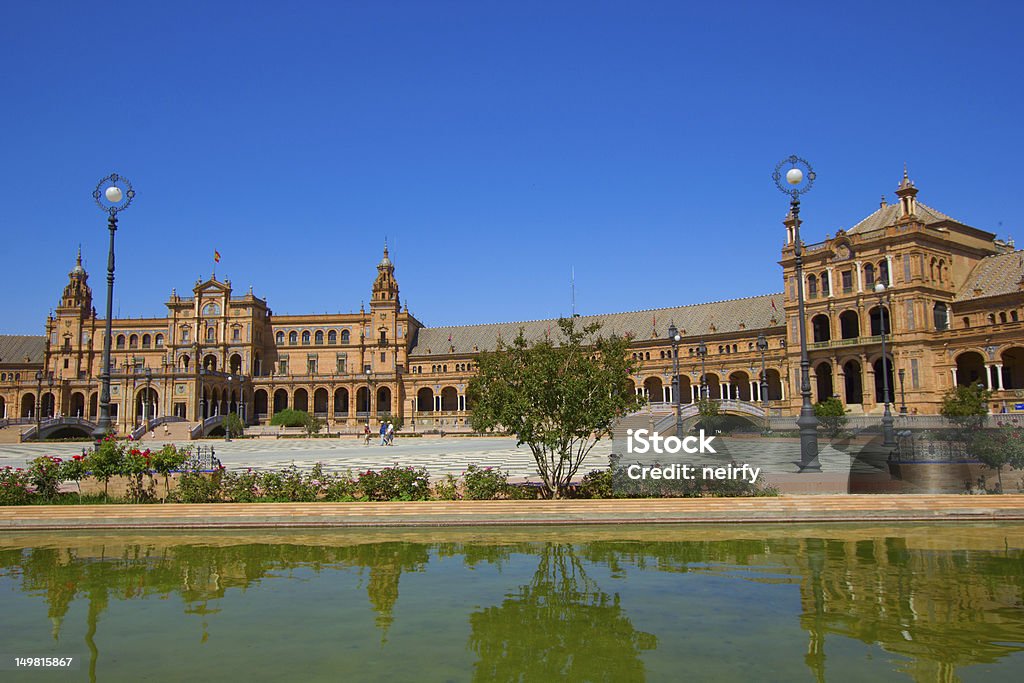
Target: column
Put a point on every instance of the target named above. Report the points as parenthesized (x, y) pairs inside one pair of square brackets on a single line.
[(860, 278), (667, 394), (782, 386), (999, 376), (694, 391), (726, 390), (754, 387), (888, 262), (831, 285)]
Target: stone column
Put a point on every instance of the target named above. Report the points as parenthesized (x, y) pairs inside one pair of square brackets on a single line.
[(860, 278), (754, 386), (831, 282), (999, 376)]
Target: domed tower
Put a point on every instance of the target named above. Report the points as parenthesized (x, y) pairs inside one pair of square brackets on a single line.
[(77, 296), (385, 287)]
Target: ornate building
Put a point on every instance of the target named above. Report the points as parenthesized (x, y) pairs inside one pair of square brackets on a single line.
[(953, 314)]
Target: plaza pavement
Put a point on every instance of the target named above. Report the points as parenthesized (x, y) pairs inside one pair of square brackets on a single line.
[(448, 455)]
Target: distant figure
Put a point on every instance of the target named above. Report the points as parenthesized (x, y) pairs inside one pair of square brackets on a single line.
[(366, 434), (167, 430), (389, 435), (383, 433)]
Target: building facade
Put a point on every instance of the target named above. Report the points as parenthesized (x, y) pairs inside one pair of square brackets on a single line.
[(952, 312)]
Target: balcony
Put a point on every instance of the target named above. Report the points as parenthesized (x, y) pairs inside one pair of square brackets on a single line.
[(839, 343)]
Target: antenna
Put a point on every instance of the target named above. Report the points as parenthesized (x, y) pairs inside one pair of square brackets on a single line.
[(572, 289)]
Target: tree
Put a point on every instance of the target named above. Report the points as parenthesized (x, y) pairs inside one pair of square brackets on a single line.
[(558, 397), (996, 448), (831, 414), (290, 418), (711, 418), (313, 425), (233, 425), (967, 409)]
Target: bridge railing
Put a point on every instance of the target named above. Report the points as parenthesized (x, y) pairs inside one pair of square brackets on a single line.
[(139, 431), (201, 429), (34, 431)]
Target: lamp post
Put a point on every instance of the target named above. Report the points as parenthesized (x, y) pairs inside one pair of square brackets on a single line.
[(762, 346), (888, 437), (113, 194), (674, 337), (702, 351), (369, 395), (203, 403), (227, 418), (39, 402), (798, 179), (49, 383), (147, 412), (903, 395)]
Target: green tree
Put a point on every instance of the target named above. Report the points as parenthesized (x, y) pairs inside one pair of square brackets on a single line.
[(996, 448), (106, 461), (233, 425), (966, 407), (559, 397), (711, 418), (313, 425), (290, 418), (831, 414)]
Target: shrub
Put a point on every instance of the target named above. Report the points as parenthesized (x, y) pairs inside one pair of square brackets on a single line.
[(241, 487), (831, 414), (136, 466), (291, 485), (966, 407), (106, 461), (166, 460), (596, 484), (485, 483), (14, 486), (340, 488), (290, 418), (998, 447), (395, 483), (198, 487), (313, 425), (711, 419), (233, 425), (74, 470), (447, 488), (44, 473)]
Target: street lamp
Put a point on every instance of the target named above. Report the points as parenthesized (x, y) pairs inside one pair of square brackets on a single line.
[(702, 351), (674, 337), (762, 346), (147, 411), (227, 418), (39, 401), (903, 395), (49, 383), (888, 437), (369, 395), (113, 194), (798, 179)]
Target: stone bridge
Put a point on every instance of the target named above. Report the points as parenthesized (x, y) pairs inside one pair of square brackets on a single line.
[(59, 428)]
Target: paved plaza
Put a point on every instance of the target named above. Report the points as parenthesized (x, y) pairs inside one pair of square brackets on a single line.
[(448, 455)]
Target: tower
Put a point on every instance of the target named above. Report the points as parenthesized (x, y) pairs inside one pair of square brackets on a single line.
[(384, 313), (907, 193)]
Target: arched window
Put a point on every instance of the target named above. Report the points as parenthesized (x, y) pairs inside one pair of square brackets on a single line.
[(185, 334), (332, 337), (279, 337), (940, 313), (991, 318), (967, 322), (869, 275), (344, 336), (305, 337), (319, 337), (120, 341), (812, 287), (211, 334), (1013, 316), (146, 341), (883, 272), (133, 341), (1002, 317), (159, 342), (211, 309), (825, 284), (293, 338)]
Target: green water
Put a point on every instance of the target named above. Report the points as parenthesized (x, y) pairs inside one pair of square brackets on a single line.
[(662, 603)]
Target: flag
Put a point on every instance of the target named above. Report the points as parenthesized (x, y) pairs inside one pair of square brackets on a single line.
[(216, 256)]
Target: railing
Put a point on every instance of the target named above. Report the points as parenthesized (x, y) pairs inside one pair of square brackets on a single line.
[(200, 429), (139, 431), (34, 431), (202, 460), (838, 343)]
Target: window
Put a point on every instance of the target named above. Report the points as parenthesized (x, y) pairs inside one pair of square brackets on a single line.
[(146, 341), (910, 315), (812, 287), (211, 334), (344, 336), (211, 309), (311, 366), (236, 334), (332, 337), (825, 285), (1002, 317), (282, 366), (906, 267), (305, 338), (185, 334), (133, 341), (279, 337), (293, 338), (383, 357), (883, 272), (941, 313), (341, 364), (847, 277), (966, 322), (1013, 316), (914, 375), (319, 338), (120, 341), (383, 337), (159, 341), (869, 275)]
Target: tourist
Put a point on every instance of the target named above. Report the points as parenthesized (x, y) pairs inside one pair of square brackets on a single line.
[(366, 434), (390, 434), (383, 434)]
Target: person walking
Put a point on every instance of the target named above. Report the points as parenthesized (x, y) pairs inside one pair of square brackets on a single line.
[(383, 433), (390, 434), (366, 434)]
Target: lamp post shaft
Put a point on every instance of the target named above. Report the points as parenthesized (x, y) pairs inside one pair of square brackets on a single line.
[(807, 422), (676, 389), (888, 437), (103, 426)]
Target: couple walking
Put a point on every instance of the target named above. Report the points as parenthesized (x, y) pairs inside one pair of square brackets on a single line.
[(387, 433)]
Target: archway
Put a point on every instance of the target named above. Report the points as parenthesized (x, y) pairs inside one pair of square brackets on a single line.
[(823, 381), (3, 408), (280, 400), (210, 362), (880, 319), (970, 369), (28, 405), (94, 400), (849, 324), (821, 327), (653, 390), (384, 400), (146, 400), (236, 364), (714, 387), (320, 399), (774, 379), (300, 401), (49, 404), (425, 400), (363, 400), (449, 399), (77, 407), (215, 408), (740, 386), (879, 386), (1013, 368), (853, 383), (259, 403), (341, 401), (685, 389)]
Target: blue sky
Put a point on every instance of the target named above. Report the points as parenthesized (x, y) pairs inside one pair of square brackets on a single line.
[(495, 145)]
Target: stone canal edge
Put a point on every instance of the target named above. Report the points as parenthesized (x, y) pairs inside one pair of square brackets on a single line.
[(781, 509)]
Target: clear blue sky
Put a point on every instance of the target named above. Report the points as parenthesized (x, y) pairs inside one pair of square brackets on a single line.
[(496, 145)]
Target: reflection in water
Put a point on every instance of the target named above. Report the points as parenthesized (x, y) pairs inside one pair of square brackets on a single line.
[(936, 606)]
